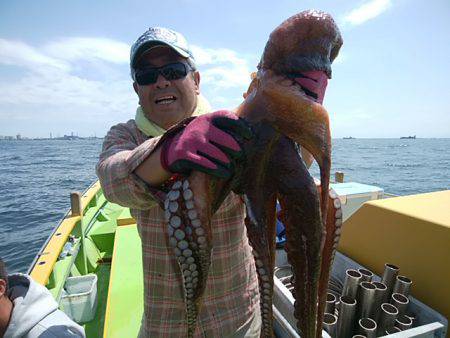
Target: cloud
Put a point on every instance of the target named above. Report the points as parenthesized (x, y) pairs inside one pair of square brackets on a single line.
[(367, 11), (73, 49), (85, 80), (17, 53), (52, 88), (223, 68)]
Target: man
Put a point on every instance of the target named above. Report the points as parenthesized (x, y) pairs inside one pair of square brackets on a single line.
[(132, 170), (27, 309)]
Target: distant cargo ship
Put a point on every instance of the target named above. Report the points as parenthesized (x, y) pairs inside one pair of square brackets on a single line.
[(408, 137), (349, 138)]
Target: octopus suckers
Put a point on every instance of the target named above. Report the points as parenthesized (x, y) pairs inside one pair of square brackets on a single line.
[(199, 231), (183, 245), (332, 194), (179, 234), (337, 203), (188, 194), (173, 241), (167, 213), (173, 207), (175, 221), (173, 195), (192, 214), (187, 253), (196, 223), (177, 185)]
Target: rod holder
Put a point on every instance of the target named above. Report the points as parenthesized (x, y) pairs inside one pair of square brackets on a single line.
[(352, 280), (345, 322), (75, 203), (329, 324), (389, 277), (402, 285), (329, 303), (367, 327)]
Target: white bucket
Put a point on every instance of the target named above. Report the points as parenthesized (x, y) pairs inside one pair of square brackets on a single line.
[(79, 301)]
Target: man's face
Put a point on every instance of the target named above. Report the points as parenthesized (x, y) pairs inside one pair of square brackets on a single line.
[(167, 102)]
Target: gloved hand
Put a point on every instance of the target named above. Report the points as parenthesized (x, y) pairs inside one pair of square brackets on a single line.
[(209, 143)]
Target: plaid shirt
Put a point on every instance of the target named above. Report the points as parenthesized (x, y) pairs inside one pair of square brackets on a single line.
[(231, 296)]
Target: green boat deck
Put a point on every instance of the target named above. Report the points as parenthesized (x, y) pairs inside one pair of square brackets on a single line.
[(103, 240), (125, 304)]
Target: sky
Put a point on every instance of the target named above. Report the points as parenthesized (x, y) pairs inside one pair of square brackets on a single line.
[(64, 65)]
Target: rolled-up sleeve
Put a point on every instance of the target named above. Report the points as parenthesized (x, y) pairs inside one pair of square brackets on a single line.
[(121, 155)]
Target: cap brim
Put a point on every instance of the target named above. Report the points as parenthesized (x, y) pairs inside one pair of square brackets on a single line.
[(147, 46)]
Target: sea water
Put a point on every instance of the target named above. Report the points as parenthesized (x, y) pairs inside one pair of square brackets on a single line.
[(36, 178)]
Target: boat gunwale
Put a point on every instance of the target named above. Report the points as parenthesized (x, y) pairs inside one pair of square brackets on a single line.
[(66, 217)]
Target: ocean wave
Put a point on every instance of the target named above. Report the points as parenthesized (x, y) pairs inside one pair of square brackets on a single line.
[(404, 165)]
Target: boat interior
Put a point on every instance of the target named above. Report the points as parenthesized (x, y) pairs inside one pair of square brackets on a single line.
[(99, 238)]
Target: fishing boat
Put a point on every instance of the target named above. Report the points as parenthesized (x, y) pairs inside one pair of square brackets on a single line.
[(92, 264)]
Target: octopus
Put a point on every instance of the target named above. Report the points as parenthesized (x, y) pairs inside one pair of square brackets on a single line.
[(282, 115)]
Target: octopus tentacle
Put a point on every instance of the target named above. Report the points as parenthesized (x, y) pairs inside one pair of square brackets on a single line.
[(189, 234), (304, 234), (260, 200), (264, 259), (333, 226)]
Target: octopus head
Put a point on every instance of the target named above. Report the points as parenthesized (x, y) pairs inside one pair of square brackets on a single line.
[(307, 41), (291, 80)]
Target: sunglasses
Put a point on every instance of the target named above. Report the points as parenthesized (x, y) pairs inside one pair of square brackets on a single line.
[(172, 71)]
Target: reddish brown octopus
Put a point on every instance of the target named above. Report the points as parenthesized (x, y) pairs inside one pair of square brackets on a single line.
[(281, 116)]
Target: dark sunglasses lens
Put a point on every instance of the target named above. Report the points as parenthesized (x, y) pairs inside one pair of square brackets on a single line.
[(174, 71), (146, 76)]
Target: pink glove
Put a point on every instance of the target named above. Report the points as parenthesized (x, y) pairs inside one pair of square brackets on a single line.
[(208, 144), (314, 83)]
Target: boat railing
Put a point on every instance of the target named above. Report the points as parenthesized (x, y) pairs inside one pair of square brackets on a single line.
[(76, 221)]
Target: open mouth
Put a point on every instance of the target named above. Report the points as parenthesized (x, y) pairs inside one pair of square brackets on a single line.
[(168, 99)]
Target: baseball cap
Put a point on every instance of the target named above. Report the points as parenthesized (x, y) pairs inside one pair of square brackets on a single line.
[(157, 36)]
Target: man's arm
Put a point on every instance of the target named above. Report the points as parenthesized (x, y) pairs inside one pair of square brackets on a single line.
[(151, 170), (117, 168)]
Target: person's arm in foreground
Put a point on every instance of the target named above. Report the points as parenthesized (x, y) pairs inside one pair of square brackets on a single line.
[(120, 157)]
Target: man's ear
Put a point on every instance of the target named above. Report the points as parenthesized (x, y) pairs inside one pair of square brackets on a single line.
[(197, 82), (135, 87), (2, 287)]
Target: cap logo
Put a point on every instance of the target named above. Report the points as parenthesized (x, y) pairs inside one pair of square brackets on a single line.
[(162, 34)]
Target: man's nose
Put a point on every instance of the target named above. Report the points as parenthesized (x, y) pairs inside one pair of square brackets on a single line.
[(161, 82)]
